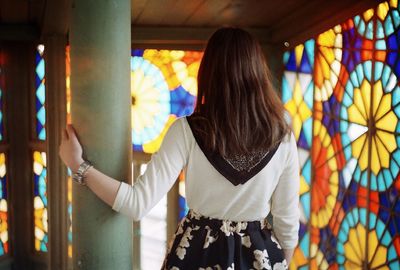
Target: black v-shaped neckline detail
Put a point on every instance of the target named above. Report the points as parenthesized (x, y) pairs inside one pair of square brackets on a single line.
[(226, 169)]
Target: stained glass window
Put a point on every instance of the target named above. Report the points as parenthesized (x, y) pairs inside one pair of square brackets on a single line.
[(40, 201), (183, 207), (164, 87), (40, 93), (297, 94), (3, 206), (342, 90), (69, 179)]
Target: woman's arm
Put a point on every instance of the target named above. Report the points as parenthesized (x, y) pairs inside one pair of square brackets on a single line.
[(285, 202), (161, 173), (103, 186), (288, 254)]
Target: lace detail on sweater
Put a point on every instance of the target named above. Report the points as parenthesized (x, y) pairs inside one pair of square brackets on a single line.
[(246, 162)]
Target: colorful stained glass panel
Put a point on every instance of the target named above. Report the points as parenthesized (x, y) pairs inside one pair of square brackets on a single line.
[(164, 87), (3, 206), (40, 93), (183, 207), (355, 157), (297, 95), (40, 201)]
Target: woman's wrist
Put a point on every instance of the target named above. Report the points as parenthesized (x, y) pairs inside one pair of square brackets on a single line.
[(75, 165)]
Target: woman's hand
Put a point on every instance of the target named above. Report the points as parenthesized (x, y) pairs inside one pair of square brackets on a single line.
[(70, 150)]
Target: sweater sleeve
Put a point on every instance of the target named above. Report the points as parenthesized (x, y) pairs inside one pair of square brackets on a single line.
[(285, 200), (161, 173)]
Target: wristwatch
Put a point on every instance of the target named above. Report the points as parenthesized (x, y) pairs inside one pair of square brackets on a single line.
[(80, 174)]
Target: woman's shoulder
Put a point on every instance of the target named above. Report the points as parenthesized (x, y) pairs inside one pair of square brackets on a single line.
[(180, 129)]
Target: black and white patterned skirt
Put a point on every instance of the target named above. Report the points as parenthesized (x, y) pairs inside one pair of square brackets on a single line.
[(206, 243)]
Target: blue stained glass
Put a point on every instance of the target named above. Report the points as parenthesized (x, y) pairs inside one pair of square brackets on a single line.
[(386, 237), (137, 52), (385, 75), (308, 95), (305, 64), (305, 243), (392, 60), (379, 30), (302, 140), (43, 246), (40, 93), (40, 69), (291, 63), (308, 131), (182, 102), (369, 33), (305, 200), (391, 256), (388, 25), (307, 172), (396, 17), (309, 48), (285, 57), (357, 20), (366, 70), (42, 135), (380, 45), (183, 207), (286, 93), (397, 69), (41, 115)]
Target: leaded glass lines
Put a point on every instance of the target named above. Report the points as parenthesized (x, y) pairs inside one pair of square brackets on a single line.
[(355, 155)]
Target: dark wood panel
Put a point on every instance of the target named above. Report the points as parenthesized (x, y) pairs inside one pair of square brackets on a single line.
[(137, 7), (177, 14), (266, 13), (315, 17), (205, 15), (154, 12), (14, 11), (37, 10), (56, 17)]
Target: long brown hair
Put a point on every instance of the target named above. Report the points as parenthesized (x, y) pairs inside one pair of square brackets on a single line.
[(238, 111)]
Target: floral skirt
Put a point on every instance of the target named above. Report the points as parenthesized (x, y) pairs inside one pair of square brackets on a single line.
[(206, 243)]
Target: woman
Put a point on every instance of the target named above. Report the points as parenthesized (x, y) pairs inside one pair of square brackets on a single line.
[(240, 160)]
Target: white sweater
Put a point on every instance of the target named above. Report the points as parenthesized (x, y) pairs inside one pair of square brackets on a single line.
[(275, 188)]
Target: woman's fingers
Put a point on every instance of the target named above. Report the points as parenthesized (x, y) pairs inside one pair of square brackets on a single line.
[(64, 135), (70, 132)]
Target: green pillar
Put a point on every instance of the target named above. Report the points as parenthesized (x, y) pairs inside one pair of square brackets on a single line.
[(100, 39)]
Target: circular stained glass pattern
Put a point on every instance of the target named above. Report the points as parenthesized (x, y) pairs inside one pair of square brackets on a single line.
[(370, 109), (161, 79), (364, 243), (150, 104), (387, 14), (327, 63), (326, 178)]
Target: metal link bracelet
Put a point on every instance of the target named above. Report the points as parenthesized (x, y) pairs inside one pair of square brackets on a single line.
[(80, 174)]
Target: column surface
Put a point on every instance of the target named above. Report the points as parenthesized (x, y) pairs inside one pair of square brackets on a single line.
[(100, 110)]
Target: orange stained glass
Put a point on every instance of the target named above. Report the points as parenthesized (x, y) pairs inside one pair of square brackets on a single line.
[(3, 206)]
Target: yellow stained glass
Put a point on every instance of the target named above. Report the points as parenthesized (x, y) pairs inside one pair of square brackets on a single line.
[(40, 201)]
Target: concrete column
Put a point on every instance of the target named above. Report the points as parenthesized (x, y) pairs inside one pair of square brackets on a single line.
[(100, 109), (56, 170)]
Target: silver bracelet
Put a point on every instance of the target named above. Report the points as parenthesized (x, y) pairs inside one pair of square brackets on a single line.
[(80, 174)]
